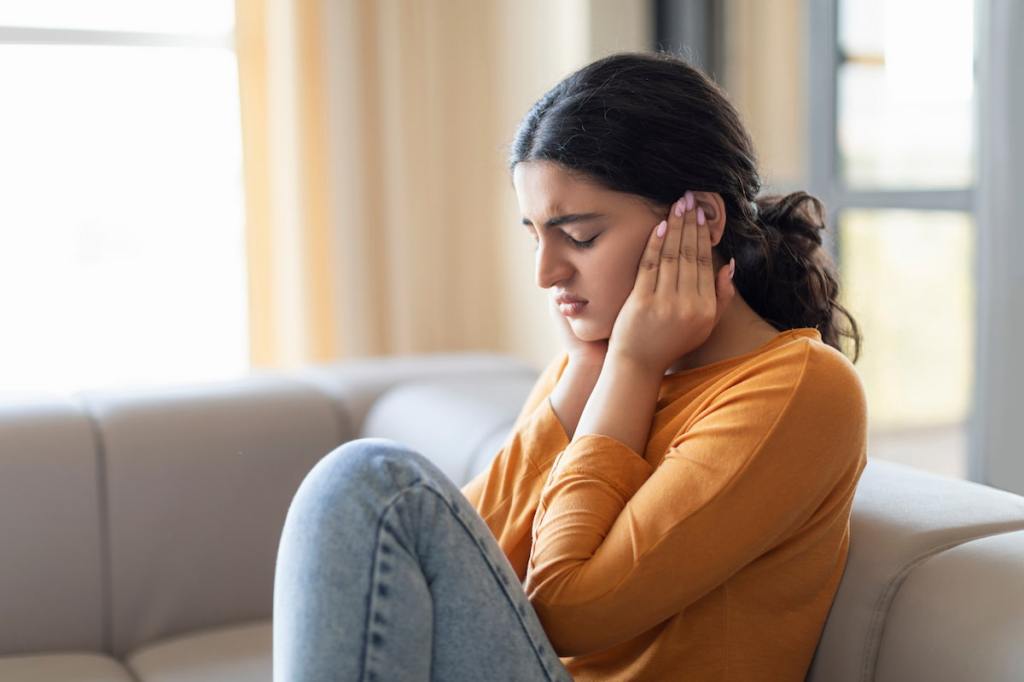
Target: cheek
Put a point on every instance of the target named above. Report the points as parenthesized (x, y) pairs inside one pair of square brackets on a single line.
[(614, 282)]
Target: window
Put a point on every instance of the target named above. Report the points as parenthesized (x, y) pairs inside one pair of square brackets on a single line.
[(121, 213), (891, 105)]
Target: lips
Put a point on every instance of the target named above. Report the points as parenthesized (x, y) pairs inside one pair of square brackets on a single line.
[(572, 309), (565, 298)]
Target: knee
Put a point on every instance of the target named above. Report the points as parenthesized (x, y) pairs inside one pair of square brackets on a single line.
[(363, 465)]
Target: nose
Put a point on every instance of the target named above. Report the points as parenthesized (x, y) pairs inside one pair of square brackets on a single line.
[(551, 264)]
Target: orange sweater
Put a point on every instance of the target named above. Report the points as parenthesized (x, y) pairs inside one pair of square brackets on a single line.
[(713, 555)]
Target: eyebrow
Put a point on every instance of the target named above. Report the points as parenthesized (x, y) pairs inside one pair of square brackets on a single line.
[(568, 218)]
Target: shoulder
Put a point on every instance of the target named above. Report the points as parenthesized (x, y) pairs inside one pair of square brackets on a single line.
[(832, 373), (805, 374), (806, 358), (806, 399), (827, 388)]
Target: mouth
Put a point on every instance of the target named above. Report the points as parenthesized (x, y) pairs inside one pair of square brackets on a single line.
[(571, 309)]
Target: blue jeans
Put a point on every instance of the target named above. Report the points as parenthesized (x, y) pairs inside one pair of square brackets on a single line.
[(386, 572)]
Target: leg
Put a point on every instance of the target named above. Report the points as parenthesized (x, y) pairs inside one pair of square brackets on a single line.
[(386, 572)]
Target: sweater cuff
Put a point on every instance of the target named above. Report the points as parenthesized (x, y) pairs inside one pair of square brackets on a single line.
[(607, 459)]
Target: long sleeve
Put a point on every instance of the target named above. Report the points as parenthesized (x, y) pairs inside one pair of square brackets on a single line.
[(505, 494), (619, 546)]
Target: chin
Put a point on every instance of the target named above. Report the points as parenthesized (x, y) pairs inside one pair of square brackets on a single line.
[(588, 331)]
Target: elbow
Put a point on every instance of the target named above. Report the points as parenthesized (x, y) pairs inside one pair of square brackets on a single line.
[(565, 609), (568, 636)]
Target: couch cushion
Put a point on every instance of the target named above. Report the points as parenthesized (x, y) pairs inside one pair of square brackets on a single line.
[(355, 384), (901, 517), (51, 571), (236, 653), (63, 667), (959, 616), (448, 420), (199, 481)]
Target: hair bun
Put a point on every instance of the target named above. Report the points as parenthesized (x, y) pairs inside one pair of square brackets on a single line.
[(797, 213)]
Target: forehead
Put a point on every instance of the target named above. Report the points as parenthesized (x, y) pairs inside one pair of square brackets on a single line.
[(545, 187)]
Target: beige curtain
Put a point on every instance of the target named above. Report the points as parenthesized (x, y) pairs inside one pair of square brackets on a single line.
[(284, 128), (765, 63), (380, 217)]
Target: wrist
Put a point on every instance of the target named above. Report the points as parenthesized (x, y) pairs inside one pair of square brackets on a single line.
[(570, 395), (585, 363), (633, 366)]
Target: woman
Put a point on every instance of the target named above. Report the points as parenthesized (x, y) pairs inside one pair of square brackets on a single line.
[(673, 500)]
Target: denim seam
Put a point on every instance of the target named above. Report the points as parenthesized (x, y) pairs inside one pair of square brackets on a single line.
[(423, 483), (497, 574), (373, 575)]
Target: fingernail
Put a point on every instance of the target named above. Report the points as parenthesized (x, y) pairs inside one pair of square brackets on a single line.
[(700, 215), (732, 267), (689, 200), (661, 228), (678, 210)]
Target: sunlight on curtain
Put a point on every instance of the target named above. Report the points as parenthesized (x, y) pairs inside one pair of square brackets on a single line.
[(290, 248)]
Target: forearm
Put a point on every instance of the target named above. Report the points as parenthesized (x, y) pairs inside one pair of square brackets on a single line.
[(621, 404), (570, 394)]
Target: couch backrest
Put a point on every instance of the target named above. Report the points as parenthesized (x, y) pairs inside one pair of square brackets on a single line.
[(131, 515), (51, 537)]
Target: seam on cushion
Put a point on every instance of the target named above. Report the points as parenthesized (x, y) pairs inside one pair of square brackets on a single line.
[(103, 504), (880, 613)]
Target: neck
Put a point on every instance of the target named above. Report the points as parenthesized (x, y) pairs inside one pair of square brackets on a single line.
[(740, 330)]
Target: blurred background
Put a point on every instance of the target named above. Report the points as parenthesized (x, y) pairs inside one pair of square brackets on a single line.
[(193, 189)]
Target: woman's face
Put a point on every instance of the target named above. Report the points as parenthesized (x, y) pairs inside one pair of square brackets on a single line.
[(604, 272)]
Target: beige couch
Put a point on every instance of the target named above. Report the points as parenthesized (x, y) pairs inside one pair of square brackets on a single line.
[(139, 528)]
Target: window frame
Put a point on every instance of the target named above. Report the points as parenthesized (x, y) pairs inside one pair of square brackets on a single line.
[(824, 58), (824, 178)]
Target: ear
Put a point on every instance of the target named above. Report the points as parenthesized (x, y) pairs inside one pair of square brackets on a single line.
[(714, 213)]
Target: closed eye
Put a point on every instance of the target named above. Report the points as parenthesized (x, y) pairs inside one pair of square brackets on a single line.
[(578, 244), (583, 245)]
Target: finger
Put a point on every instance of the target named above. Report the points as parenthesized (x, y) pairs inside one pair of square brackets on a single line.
[(668, 277), (705, 264), (650, 260), (688, 255)]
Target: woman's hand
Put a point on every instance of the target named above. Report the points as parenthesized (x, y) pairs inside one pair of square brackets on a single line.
[(675, 302), (585, 353)]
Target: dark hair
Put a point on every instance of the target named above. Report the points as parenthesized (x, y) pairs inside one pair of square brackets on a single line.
[(652, 125)]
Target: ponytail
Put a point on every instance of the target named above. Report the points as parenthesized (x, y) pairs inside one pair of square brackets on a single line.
[(790, 279)]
